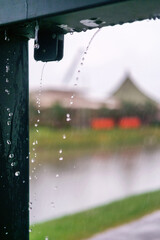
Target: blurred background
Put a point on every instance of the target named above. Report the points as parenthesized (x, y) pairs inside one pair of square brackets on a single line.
[(95, 121)]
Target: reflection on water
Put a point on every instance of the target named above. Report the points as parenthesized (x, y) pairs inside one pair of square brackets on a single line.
[(95, 179)]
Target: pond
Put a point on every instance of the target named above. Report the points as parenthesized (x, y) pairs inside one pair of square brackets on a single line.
[(91, 179)]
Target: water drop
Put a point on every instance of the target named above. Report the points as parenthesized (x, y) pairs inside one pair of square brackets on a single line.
[(64, 136), (17, 173), (61, 158), (8, 142), (57, 175), (46, 238), (38, 120), (23, 181), (36, 46), (68, 119), (30, 230), (10, 114), (13, 164), (36, 125), (7, 91), (8, 109), (8, 123), (7, 81), (33, 160), (11, 155), (7, 68), (71, 102), (39, 111), (60, 151)]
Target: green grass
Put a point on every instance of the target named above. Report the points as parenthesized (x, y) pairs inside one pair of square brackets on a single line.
[(51, 139), (87, 223)]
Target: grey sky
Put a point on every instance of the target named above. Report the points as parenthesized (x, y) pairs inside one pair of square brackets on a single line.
[(133, 48)]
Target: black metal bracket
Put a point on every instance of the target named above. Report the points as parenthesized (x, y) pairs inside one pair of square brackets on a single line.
[(48, 46)]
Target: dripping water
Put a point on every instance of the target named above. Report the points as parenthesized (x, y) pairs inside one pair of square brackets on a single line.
[(77, 78)]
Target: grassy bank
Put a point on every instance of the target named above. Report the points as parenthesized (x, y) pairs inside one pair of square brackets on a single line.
[(85, 224), (51, 139)]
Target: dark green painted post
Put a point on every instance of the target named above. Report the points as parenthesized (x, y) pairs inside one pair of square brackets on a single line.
[(14, 139)]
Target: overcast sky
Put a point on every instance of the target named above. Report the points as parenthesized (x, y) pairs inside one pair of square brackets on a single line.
[(130, 48)]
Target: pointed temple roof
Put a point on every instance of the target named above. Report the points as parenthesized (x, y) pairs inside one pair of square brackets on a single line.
[(129, 92)]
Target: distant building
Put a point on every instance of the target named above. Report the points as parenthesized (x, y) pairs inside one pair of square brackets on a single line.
[(130, 93), (65, 98)]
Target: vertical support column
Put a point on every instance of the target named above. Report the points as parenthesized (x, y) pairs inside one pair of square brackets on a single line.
[(14, 139)]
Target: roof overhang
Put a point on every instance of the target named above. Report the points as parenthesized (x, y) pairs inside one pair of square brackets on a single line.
[(63, 16)]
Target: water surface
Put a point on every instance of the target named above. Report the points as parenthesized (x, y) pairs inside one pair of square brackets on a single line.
[(96, 178)]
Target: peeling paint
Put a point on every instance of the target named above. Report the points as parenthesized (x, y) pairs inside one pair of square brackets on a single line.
[(89, 23), (66, 28)]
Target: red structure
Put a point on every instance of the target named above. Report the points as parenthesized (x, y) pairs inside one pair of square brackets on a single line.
[(129, 122), (103, 123)]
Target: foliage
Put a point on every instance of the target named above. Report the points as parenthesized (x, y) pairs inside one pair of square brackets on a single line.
[(146, 112), (51, 139)]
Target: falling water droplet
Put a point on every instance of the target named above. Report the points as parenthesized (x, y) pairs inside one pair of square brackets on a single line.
[(33, 160), (7, 91), (61, 158), (64, 136), (57, 175), (30, 230), (8, 109), (46, 238), (36, 46), (10, 114), (36, 125), (17, 173), (60, 151), (7, 68)]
